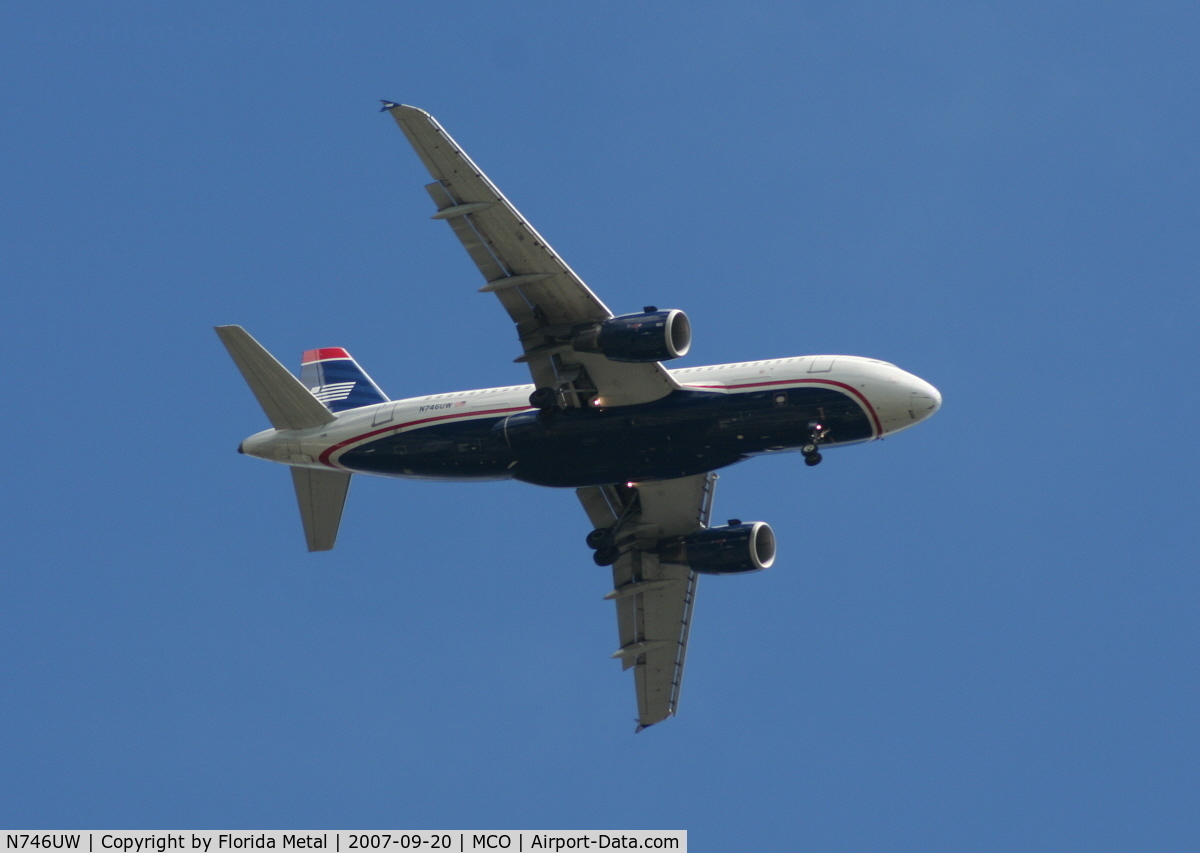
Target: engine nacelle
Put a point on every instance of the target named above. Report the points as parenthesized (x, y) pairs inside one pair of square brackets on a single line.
[(650, 336), (748, 547)]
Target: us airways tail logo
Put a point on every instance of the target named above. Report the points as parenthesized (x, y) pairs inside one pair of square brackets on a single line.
[(336, 380), (333, 392)]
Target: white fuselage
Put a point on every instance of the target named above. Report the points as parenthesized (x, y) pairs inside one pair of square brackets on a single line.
[(891, 399)]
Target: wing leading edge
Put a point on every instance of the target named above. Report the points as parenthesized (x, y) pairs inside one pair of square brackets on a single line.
[(654, 598), (542, 295)]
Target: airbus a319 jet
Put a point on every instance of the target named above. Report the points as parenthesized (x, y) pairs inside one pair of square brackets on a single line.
[(637, 441)]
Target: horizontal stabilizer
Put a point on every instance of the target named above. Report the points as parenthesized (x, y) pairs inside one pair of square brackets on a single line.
[(287, 403), (321, 495)]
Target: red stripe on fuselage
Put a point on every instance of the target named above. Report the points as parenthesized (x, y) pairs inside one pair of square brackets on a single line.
[(325, 454), (862, 398)]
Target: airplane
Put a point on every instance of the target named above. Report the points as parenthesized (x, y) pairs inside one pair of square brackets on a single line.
[(638, 442)]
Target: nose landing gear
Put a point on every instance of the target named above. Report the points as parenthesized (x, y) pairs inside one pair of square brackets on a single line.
[(811, 448)]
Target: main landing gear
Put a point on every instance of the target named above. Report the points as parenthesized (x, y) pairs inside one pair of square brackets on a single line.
[(601, 541), (547, 402), (811, 448)]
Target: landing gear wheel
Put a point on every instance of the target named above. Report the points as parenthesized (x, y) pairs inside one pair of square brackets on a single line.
[(808, 449), (544, 398), (606, 556), (811, 459), (599, 538)]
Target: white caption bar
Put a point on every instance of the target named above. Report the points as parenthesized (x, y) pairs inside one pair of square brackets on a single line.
[(456, 840)]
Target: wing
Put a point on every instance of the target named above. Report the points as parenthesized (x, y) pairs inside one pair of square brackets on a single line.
[(654, 598), (542, 295)]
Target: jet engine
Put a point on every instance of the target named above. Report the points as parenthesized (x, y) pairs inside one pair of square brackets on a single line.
[(736, 548), (650, 336)]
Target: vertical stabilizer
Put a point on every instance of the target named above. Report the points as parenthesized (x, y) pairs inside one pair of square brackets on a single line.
[(334, 378)]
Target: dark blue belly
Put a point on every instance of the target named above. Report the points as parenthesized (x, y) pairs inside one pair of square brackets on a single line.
[(685, 433), (451, 450)]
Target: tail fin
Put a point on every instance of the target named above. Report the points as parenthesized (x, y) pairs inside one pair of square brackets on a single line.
[(337, 381)]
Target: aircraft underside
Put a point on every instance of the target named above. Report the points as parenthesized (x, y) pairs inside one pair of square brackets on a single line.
[(685, 433), (637, 442)]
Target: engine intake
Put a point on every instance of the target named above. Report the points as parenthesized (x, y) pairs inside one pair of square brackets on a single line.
[(649, 336), (738, 548)]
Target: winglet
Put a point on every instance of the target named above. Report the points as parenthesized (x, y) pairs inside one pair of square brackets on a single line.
[(387, 105), (287, 403)]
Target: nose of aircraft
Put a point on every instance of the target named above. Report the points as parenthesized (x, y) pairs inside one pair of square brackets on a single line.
[(903, 400), (923, 399)]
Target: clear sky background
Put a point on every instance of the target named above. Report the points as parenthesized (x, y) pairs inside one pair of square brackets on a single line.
[(979, 635)]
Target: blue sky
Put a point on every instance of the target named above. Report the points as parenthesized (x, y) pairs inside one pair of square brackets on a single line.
[(979, 635)]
